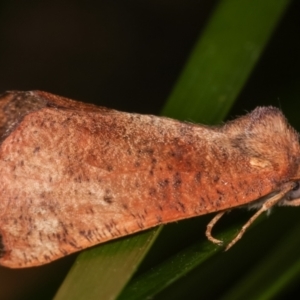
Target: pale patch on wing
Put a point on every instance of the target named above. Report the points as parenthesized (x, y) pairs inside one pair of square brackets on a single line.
[(260, 163)]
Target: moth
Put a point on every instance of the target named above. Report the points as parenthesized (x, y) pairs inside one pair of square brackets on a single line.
[(73, 175)]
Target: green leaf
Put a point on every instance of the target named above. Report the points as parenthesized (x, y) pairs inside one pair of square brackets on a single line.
[(150, 283), (111, 264), (218, 67), (223, 59), (271, 275)]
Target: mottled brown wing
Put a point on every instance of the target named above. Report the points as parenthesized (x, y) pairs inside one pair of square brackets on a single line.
[(75, 175)]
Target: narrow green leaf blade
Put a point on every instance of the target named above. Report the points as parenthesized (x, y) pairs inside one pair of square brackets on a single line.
[(213, 77), (223, 58), (101, 272), (149, 284), (270, 276)]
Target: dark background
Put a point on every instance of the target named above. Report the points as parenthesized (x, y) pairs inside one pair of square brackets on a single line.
[(125, 55)]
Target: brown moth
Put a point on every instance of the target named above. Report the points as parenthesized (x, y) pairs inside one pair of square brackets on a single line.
[(73, 175)]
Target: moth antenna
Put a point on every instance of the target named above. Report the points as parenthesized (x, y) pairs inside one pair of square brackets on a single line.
[(267, 205), (210, 226)]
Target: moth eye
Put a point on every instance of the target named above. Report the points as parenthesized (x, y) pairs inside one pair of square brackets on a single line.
[(297, 186), (294, 193)]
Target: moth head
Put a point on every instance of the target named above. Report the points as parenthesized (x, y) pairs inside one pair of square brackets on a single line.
[(292, 198)]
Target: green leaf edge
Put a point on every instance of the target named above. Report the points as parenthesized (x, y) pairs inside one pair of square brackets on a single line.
[(184, 103)]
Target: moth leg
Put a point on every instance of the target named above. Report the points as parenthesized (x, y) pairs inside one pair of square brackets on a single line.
[(267, 205), (295, 202), (210, 226)]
